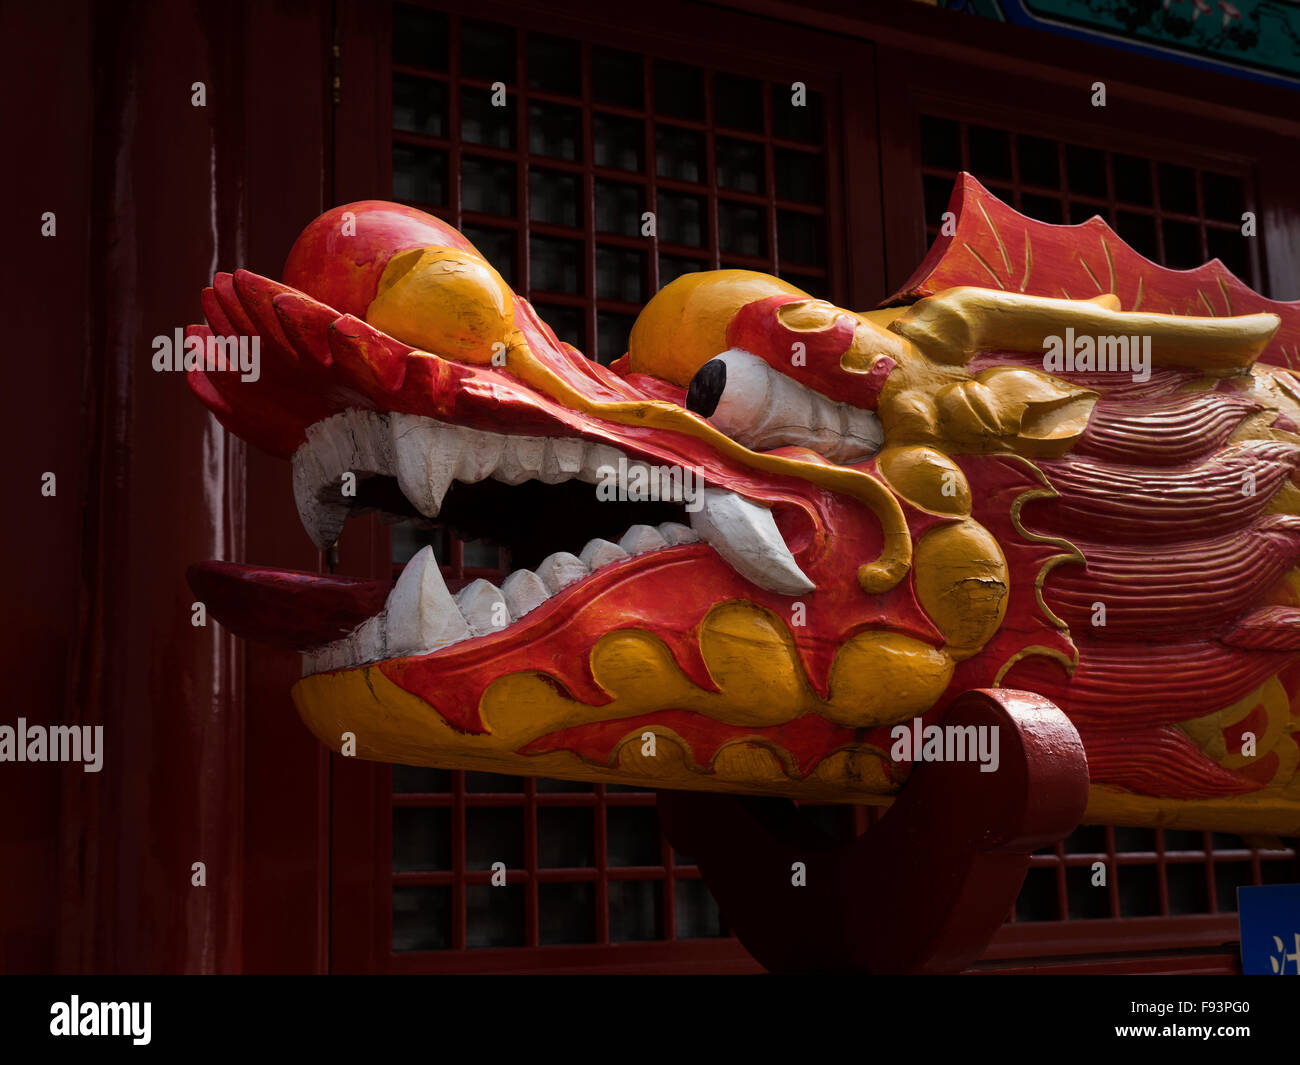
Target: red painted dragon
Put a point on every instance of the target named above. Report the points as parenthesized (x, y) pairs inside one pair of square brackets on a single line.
[(858, 516)]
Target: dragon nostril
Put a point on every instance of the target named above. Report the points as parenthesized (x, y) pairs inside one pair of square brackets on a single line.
[(706, 388)]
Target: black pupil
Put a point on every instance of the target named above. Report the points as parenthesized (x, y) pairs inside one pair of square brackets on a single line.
[(706, 388)]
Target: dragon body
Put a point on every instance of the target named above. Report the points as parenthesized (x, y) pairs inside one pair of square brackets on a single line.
[(855, 516)]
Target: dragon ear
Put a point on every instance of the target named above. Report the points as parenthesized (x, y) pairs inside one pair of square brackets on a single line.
[(1015, 409), (954, 325)]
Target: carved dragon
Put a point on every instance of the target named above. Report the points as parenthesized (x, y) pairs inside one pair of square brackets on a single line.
[(875, 512)]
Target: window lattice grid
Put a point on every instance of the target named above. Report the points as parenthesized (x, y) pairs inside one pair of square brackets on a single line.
[(1148, 873), (554, 186), (1176, 215)]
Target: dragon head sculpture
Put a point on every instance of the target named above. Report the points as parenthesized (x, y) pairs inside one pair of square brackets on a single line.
[(775, 529)]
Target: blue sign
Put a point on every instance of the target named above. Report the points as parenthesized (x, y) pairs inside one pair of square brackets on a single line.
[(1270, 929)]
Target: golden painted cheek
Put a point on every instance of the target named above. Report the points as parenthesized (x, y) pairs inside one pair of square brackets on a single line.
[(926, 478), (962, 583)]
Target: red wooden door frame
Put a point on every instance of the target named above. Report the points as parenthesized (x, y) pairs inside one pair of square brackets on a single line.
[(203, 760)]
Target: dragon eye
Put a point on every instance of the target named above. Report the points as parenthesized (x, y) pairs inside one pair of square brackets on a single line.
[(760, 407)]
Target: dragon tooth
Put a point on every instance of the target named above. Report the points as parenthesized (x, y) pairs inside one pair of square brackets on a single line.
[(484, 607), (322, 520), (677, 533), (562, 459), (598, 457), (600, 552), (372, 449), (521, 459), (371, 638), (421, 614), (561, 569), (642, 538), (745, 534), (479, 456), (426, 454), (523, 591)]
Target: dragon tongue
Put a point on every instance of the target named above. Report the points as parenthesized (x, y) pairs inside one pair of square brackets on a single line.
[(286, 608)]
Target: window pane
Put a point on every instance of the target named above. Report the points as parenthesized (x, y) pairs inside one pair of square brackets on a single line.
[(681, 219), (1182, 244), (421, 918), (421, 838), (620, 274), (487, 185), (483, 123), (565, 837), (940, 143), (554, 130), (1177, 189), (633, 835), (556, 264), (494, 916), (1039, 162), (738, 102), (799, 176), (679, 153), (566, 913), (616, 77), (634, 910), (494, 834), (554, 65), (990, 153), (800, 237), (1086, 170), (553, 197), (740, 165), (1133, 180), (420, 174), (419, 105), (618, 142), (619, 207), (487, 51), (419, 37), (679, 90), (741, 229), (1224, 197)]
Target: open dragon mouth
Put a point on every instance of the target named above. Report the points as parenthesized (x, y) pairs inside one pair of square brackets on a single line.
[(568, 509)]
